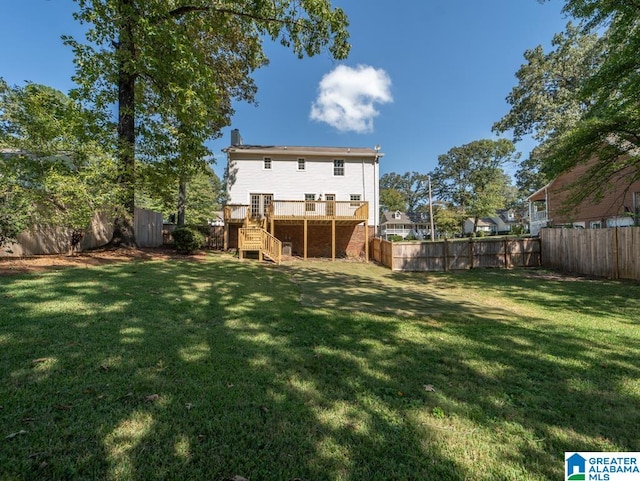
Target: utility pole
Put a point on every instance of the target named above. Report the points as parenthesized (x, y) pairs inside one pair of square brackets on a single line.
[(431, 211)]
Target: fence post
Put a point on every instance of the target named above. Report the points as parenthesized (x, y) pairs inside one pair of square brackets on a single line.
[(470, 253), (446, 255), (616, 263), (506, 260)]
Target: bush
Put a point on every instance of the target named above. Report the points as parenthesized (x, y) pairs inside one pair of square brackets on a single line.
[(394, 238), (187, 239)]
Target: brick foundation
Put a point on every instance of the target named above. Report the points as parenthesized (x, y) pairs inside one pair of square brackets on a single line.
[(349, 239)]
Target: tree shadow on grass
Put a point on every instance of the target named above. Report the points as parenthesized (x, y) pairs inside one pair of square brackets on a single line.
[(176, 370)]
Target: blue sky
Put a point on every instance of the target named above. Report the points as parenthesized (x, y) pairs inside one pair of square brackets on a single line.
[(423, 76)]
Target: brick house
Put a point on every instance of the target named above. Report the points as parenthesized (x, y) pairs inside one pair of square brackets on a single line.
[(620, 205), (306, 201)]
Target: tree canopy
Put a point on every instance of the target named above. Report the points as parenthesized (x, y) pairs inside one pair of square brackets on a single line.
[(581, 100), (405, 192), (54, 169), (173, 68), (471, 177)]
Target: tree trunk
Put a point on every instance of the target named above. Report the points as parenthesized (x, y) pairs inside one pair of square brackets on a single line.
[(475, 224), (123, 230), (182, 202)]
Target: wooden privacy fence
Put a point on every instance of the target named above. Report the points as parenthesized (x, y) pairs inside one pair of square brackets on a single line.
[(148, 228), (57, 240), (457, 254), (613, 253)]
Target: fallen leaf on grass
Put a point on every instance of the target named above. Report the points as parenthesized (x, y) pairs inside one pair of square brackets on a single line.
[(229, 385), (239, 478), (429, 388), (17, 433), (40, 360), (189, 406), (152, 398), (65, 407)]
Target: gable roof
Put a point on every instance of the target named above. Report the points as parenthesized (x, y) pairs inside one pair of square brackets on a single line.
[(388, 218), (270, 150)]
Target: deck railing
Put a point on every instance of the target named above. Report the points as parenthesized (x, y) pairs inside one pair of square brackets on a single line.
[(539, 216), (271, 247), (301, 209), (318, 210), (234, 213)]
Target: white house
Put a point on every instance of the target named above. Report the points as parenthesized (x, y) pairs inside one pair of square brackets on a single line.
[(310, 198)]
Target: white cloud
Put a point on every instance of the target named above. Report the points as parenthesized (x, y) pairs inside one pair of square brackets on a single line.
[(347, 97)]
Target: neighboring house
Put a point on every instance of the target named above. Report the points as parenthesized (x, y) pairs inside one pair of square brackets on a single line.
[(501, 223), (317, 201), (486, 225), (217, 219), (403, 224), (620, 205)]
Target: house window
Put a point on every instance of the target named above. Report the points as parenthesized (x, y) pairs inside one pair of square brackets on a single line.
[(301, 164), (396, 215), (267, 163), (338, 167), (309, 204), (355, 200), (595, 224)]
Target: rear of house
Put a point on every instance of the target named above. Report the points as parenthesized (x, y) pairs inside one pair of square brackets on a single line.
[(316, 201)]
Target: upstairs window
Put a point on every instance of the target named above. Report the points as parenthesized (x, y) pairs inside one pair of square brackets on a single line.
[(267, 163), (338, 167), (302, 164), (355, 200)]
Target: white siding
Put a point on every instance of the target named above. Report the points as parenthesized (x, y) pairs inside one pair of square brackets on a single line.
[(286, 182)]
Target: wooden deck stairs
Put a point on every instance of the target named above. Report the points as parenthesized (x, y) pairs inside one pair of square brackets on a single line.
[(256, 239)]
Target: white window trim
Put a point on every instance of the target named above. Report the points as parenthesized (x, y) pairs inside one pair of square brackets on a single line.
[(336, 167), (304, 165), (265, 161)]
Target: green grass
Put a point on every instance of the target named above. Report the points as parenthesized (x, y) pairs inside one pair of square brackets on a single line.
[(312, 371)]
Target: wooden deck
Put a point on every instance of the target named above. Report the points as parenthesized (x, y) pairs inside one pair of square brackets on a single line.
[(292, 212)]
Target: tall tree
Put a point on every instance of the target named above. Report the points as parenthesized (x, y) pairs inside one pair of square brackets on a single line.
[(608, 134), (412, 186), (548, 100), (185, 60), (471, 177)]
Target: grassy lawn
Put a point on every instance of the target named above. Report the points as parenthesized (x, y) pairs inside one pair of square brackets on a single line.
[(311, 371)]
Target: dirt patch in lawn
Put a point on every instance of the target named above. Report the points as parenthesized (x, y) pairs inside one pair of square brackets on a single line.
[(98, 257)]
